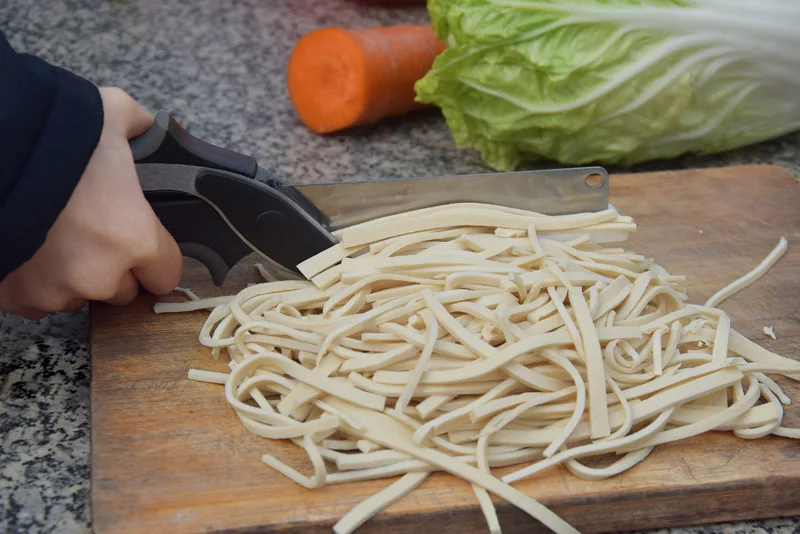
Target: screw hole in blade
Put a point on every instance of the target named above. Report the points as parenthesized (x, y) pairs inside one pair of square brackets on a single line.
[(595, 180)]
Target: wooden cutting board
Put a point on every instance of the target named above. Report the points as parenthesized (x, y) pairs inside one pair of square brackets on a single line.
[(169, 455)]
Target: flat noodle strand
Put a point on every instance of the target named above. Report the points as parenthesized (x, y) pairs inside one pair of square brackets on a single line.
[(747, 279)]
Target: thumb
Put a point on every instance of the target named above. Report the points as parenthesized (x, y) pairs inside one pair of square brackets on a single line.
[(127, 113), (139, 119)]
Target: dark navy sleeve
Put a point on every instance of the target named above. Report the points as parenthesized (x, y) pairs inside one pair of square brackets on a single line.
[(50, 123)]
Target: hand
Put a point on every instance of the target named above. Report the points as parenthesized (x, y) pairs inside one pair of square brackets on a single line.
[(107, 240)]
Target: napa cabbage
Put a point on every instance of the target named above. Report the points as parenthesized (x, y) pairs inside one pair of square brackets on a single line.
[(614, 81)]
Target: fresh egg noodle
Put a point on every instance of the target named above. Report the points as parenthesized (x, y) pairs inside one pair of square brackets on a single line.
[(467, 337)]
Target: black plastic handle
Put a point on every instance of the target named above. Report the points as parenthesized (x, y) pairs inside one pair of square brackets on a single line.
[(220, 213), (199, 231), (167, 142)]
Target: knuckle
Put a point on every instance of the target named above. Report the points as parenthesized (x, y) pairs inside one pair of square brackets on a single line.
[(103, 291), (92, 284), (104, 286), (146, 242)]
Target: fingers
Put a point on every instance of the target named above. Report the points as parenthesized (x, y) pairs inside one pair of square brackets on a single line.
[(59, 301), (127, 290), (160, 272)]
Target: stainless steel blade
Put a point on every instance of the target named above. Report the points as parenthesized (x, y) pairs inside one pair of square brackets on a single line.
[(553, 192)]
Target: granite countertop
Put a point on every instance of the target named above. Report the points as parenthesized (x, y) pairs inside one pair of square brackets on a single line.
[(219, 67)]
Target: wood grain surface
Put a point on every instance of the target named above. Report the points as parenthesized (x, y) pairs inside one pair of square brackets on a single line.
[(170, 456)]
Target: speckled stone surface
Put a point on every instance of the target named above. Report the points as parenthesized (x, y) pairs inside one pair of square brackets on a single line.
[(219, 67)]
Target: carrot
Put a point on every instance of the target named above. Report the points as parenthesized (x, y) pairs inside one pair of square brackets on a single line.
[(340, 78)]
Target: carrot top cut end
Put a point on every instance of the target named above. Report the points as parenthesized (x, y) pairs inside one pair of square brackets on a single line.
[(327, 80)]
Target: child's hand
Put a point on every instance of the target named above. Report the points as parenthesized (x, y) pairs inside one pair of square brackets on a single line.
[(107, 240)]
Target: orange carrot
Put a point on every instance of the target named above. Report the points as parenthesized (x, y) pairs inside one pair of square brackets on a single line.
[(341, 78)]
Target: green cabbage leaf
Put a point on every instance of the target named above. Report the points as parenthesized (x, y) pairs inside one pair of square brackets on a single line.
[(614, 81)]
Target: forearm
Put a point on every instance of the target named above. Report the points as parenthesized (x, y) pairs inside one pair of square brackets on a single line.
[(50, 124)]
